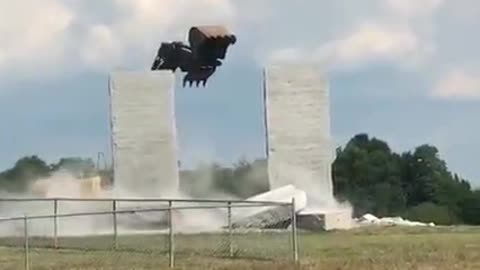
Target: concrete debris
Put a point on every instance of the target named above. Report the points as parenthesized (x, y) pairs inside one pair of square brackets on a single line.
[(270, 216), (369, 219), (264, 217), (326, 221), (278, 216)]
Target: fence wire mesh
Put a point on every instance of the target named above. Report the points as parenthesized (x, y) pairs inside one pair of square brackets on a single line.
[(118, 234)]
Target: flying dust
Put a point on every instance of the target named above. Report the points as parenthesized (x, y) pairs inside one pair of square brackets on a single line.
[(319, 199), (65, 185)]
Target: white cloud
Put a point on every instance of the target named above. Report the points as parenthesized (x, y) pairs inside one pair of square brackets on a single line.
[(458, 84), (367, 43), (287, 54), (394, 32), (48, 36), (372, 42), (128, 32), (414, 7), (101, 49), (32, 31), (143, 24)]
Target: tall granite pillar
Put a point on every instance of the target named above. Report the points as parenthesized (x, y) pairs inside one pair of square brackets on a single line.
[(144, 145), (298, 130)]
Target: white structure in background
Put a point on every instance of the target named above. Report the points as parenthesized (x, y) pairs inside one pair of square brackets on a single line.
[(298, 130), (300, 155), (299, 145), (144, 147)]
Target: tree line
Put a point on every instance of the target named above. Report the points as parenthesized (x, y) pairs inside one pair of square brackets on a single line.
[(415, 184)]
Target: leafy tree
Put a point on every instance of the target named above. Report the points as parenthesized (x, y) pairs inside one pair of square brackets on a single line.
[(368, 174), (77, 166), (376, 180), (31, 168), (431, 212), (425, 172), (470, 208), (24, 171)]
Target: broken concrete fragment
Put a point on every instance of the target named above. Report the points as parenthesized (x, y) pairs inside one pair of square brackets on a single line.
[(327, 221), (270, 216)]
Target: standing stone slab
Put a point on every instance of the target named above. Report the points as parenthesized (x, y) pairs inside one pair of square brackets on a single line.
[(298, 130), (144, 147)]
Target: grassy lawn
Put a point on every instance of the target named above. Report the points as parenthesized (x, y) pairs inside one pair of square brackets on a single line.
[(372, 248)]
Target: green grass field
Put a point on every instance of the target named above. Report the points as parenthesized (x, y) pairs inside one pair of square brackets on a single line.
[(371, 248)]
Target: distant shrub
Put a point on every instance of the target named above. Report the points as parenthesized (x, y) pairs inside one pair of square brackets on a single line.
[(430, 212)]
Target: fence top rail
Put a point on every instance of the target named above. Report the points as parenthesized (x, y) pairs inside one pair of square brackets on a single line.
[(142, 200), (127, 211)]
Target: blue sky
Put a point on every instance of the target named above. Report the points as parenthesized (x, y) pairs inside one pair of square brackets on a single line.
[(406, 71)]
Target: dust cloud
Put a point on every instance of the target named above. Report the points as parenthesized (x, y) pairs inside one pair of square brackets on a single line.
[(64, 185), (318, 188), (319, 197)]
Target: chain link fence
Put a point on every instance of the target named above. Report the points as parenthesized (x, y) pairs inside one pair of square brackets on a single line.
[(144, 234)]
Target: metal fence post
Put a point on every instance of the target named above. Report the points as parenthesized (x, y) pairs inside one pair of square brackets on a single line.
[(55, 223), (294, 232), (115, 227), (171, 251), (25, 235), (230, 230)]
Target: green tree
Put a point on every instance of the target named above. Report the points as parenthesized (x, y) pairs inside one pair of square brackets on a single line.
[(376, 180), (368, 174), (25, 170), (431, 212), (423, 173), (76, 166), (470, 208)]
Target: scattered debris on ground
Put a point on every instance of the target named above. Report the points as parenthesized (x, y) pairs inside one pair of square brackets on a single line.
[(369, 219)]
